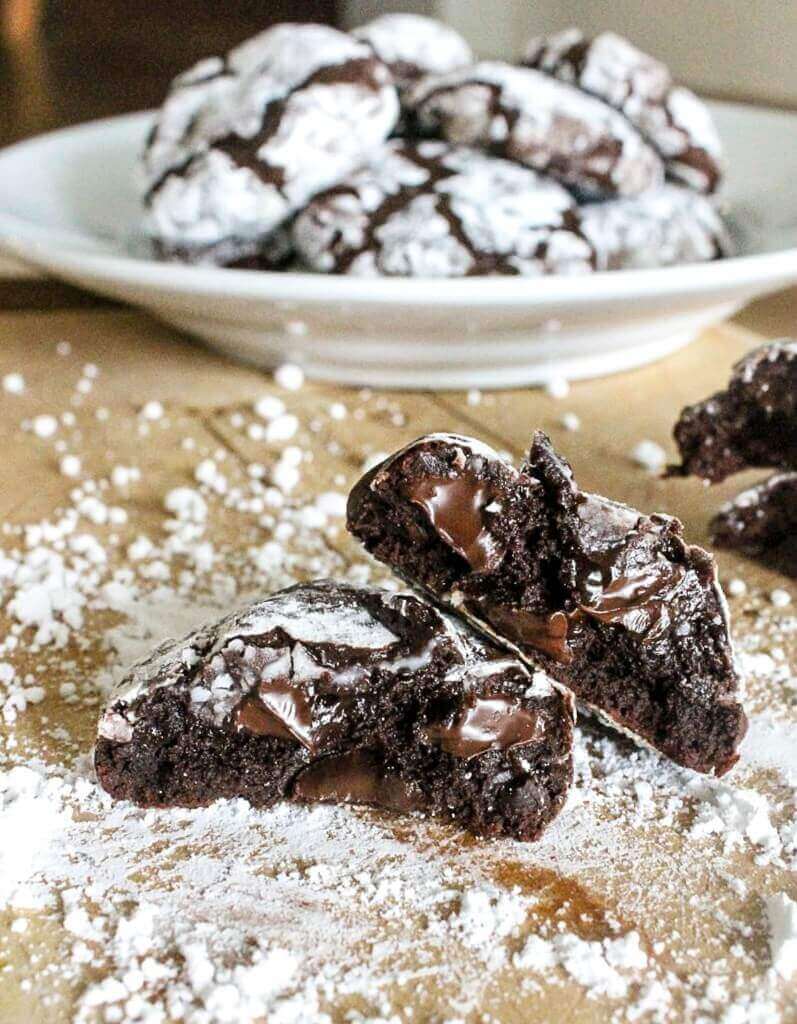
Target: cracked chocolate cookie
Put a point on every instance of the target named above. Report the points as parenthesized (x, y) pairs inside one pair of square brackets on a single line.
[(534, 119), (242, 143), (412, 46), (327, 692), (762, 521), (613, 604), (676, 123), (662, 228), (751, 424), (429, 209)]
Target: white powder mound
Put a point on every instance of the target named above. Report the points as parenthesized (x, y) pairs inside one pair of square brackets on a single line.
[(599, 967), (426, 45), (782, 916), (486, 916)]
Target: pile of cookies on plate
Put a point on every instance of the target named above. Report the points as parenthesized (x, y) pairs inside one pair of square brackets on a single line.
[(392, 151)]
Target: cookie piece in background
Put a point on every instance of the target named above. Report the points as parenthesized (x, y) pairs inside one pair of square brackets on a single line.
[(327, 692), (671, 118), (536, 120), (429, 209), (412, 46), (762, 521), (612, 603), (751, 424), (661, 228), (242, 143)]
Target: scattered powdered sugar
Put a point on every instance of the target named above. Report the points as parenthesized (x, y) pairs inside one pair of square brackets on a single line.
[(782, 917), (289, 376), (13, 384), (650, 456)]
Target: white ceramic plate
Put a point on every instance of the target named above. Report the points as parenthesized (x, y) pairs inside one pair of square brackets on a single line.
[(68, 206)]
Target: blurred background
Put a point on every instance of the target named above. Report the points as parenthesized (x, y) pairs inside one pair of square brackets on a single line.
[(63, 61)]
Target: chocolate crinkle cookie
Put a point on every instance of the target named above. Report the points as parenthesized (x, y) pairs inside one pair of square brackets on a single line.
[(327, 692), (242, 143), (612, 603), (412, 46), (661, 228), (273, 251), (753, 423), (676, 123), (760, 519), (547, 125), (435, 210)]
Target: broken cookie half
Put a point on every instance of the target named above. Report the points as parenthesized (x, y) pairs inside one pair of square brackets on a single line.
[(613, 604), (328, 692), (752, 424)]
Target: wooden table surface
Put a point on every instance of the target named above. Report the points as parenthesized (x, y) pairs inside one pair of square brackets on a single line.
[(139, 361)]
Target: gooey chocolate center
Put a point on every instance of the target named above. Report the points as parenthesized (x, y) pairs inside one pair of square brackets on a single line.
[(455, 507)]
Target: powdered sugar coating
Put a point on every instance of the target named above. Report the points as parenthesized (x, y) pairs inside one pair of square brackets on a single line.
[(243, 143), (412, 45), (431, 209), (527, 116), (662, 228), (672, 118), (282, 637)]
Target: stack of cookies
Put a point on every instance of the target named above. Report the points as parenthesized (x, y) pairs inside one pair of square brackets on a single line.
[(390, 151)]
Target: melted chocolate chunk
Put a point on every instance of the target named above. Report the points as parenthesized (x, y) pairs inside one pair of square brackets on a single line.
[(357, 777), (492, 722), (277, 709), (546, 633), (456, 509), (611, 602), (640, 602), (323, 692)]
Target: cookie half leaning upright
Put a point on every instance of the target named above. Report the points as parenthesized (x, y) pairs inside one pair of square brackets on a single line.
[(612, 603)]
